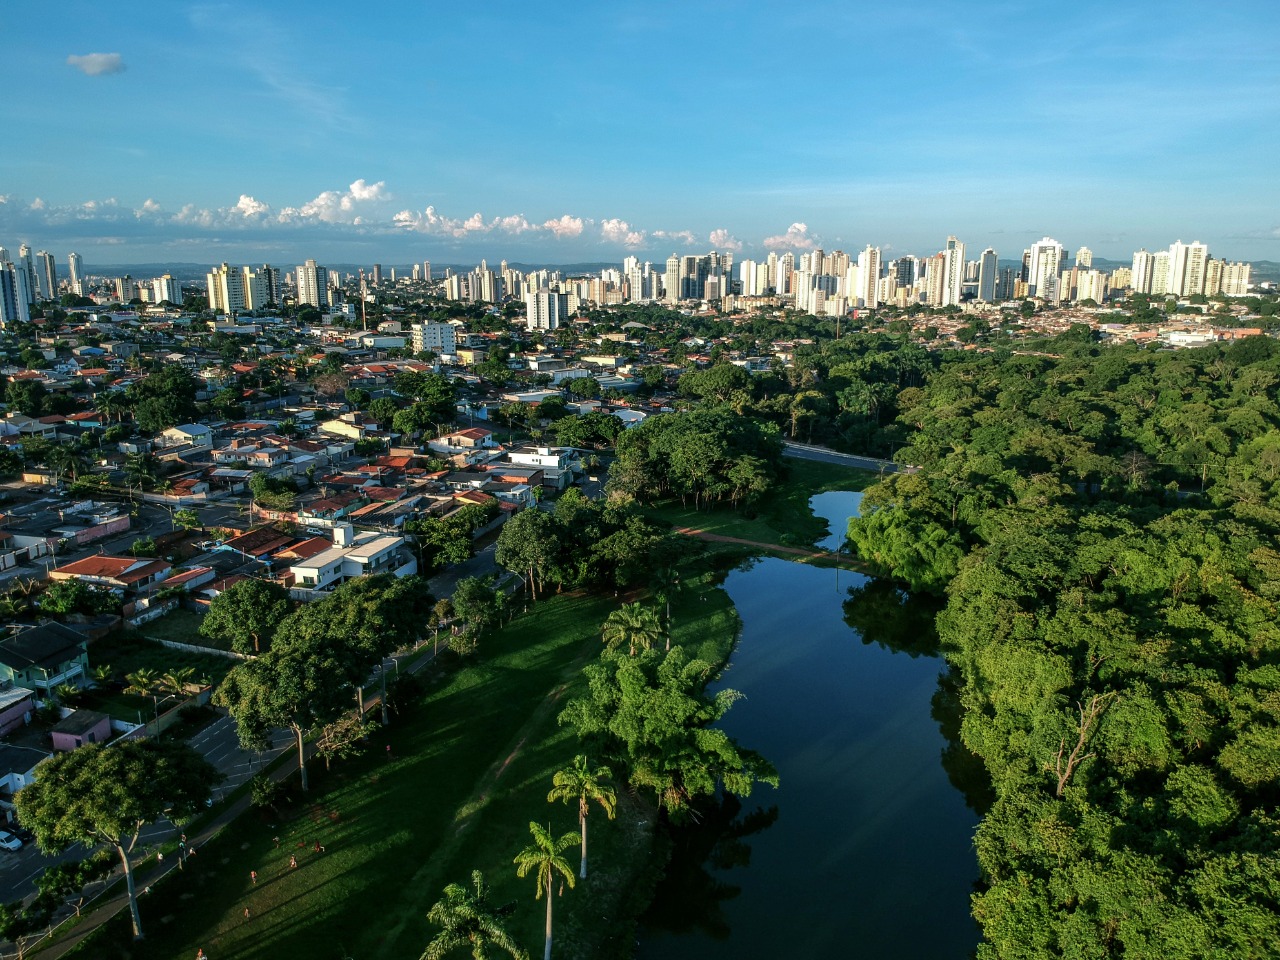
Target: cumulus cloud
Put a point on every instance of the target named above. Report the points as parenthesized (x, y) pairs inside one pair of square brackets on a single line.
[(565, 226), (796, 238), (723, 240), (96, 64), (683, 236), (337, 206), (149, 208), (619, 231)]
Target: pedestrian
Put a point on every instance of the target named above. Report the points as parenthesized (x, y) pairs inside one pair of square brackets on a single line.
[(277, 842), (200, 954), (246, 913), (253, 875), (159, 858), (293, 863), (388, 751), (319, 847)]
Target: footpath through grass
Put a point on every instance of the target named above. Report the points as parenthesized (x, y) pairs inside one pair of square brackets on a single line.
[(783, 518), (470, 766)]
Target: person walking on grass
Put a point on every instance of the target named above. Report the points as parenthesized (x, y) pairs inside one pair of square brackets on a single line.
[(253, 875)]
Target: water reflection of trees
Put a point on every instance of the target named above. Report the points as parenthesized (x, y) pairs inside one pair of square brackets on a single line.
[(884, 614), (692, 897)]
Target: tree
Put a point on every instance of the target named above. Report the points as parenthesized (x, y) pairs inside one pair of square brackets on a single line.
[(99, 794), (66, 881), (142, 681), (579, 782), (299, 685), (473, 601), (347, 736), (529, 545), (543, 858), (466, 919), (19, 921), (247, 614), (652, 714), (186, 519), (634, 626)]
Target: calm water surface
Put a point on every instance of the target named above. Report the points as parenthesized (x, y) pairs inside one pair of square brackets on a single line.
[(865, 850)]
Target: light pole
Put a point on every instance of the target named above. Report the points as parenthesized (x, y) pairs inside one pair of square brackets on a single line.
[(382, 668), (838, 549)]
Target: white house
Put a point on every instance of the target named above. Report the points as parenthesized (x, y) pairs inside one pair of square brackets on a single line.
[(353, 555)]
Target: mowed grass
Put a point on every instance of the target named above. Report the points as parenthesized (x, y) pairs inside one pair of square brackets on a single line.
[(471, 766), (783, 518)]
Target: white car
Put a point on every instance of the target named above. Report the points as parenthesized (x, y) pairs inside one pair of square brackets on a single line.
[(8, 841)]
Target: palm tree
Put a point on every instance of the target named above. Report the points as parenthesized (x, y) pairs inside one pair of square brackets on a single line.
[(466, 919), (579, 782), (543, 857), (634, 625), (102, 673), (112, 404), (142, 681), (175, 681), (68, 693)]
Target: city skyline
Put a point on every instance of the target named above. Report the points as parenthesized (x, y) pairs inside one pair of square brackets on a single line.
[(602, 133)]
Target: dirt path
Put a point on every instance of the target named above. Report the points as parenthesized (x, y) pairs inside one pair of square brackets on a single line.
[(718, 538)]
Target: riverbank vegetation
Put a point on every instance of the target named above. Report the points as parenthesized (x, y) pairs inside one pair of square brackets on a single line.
[(1103, 526)]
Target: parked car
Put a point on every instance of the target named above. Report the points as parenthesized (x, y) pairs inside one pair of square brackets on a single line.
[(8, 841), (23, 834)]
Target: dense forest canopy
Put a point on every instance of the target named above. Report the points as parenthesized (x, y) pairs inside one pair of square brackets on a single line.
[(1104, 529)]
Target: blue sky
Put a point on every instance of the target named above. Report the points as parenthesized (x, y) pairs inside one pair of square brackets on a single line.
[(588, 132)]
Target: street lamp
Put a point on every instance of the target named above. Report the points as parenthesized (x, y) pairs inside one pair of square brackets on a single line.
[(382, 669)]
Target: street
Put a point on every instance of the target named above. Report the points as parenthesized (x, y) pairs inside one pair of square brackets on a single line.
[(804, 451)]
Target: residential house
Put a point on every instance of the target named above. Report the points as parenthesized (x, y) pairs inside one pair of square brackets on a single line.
[(17, 769), (42, 657), (133, 575), (80, 727), (353, 555), (16, 704), (186, 434)]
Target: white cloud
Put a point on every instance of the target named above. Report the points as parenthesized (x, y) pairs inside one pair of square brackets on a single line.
[(619, 231), (683, 236), (565, 226), (37, 204), (796, 238), (721, 239), (149, 208), (337, 206), (515, 224), (96, 64), (247, 206)]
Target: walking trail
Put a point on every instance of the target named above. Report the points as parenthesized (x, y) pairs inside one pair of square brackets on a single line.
[(759, 544)]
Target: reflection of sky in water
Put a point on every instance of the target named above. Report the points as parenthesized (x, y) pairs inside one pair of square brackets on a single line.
[(871, 855), (835, 507)]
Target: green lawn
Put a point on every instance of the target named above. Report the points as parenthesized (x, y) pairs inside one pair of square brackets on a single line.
[(180, 626), (127, 652), (471, 766), (784, 518)]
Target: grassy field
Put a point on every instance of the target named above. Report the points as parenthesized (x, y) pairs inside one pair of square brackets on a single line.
[(180, 626), (784, 518), (125, 653), (470, 766)]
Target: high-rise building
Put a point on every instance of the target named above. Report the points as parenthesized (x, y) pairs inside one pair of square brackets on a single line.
[(256, 289), (4, 255), (439, 338), (1235, 279), (953, 272), (126, 288), (47, 275), (1044, 262), (935, 279), (166, 288), (988, 274), (867, 292), (545, 309), (313, 285), (15, 301), (1006, 286), (1084, 258), (24, 264), (377, 275), (1160, 274), (1091, 285), (75, 266), (1143, 264), (226, 289), (426, 270), (1187, 264)]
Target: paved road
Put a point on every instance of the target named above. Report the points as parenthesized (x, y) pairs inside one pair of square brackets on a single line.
[(804, 451)]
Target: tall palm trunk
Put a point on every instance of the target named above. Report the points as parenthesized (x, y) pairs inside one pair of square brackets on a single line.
[(546, 953), (582, 818), (133, 896)]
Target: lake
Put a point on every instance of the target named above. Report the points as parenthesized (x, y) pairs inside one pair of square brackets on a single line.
[(865, 849)]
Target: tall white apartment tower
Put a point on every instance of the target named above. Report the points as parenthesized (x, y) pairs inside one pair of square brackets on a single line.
[(1084, 258), (226, 289), (1141, 276), (313, 285), (952, 272), (24, 263), (75, 265), (1187, 266), (1160, 274), (1043, 267), (988, 274), (545, 309), (15, 304), (868, 291)]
